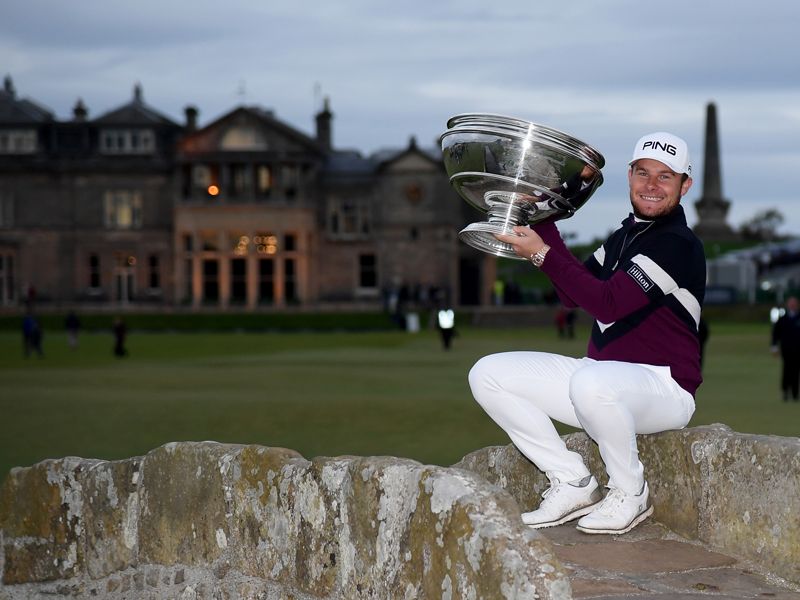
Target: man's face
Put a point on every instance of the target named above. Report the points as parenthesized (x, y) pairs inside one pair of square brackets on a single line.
[(655, 188)]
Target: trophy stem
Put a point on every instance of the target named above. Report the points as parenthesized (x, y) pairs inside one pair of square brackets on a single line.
[(505, 209)]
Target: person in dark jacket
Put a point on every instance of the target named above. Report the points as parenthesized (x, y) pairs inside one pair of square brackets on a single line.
[(786, 344), (644, 287)]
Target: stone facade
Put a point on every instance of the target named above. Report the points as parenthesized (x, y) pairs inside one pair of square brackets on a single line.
[(133, 209)]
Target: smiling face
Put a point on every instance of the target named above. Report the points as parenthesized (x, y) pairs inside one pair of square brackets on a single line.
[(655, 188)]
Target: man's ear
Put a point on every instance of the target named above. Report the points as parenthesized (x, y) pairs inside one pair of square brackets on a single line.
[(686, 185)]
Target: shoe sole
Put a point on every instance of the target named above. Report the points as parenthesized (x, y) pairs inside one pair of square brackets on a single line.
[(641, 517), (566, 518)]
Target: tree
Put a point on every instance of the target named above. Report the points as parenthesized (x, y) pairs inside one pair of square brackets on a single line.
[(763, 226)]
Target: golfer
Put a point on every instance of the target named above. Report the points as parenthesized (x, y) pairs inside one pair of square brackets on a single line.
[(644, 288)]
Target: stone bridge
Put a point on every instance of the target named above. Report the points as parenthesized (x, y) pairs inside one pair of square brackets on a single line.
[(202, 520)]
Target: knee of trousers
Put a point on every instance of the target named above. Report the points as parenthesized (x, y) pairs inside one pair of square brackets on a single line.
[(481, 380), (589, 390)]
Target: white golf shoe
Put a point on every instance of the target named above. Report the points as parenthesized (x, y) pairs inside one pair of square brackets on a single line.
[(618, 512), (564, 501)]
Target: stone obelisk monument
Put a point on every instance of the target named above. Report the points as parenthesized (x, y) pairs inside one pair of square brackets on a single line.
[(712, 208)]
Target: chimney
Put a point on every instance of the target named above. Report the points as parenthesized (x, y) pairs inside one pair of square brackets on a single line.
[(8, 86), (80, 112), (137, 93), (324, 129), (191, 117)]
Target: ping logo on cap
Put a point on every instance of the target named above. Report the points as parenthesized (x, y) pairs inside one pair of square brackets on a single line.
[(664, 147)]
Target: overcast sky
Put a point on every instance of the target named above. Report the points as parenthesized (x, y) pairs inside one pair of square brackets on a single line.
[(606, 72)]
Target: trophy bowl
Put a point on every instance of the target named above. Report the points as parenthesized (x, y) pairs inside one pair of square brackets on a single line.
[(518, 172)]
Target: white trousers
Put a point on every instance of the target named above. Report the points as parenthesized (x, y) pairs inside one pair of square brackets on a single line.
[(612, 401)]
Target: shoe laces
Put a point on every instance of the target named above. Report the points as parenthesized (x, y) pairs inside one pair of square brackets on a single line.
[(613, 500), (554, 485)]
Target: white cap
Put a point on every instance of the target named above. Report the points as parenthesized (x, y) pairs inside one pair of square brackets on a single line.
[(665, 148)]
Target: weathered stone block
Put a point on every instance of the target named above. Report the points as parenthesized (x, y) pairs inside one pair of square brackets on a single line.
[(182, 503), (750, 497), (111, 497), (263, 487), (42, 517)]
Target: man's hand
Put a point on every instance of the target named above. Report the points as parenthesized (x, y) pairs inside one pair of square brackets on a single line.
[(525, 243)]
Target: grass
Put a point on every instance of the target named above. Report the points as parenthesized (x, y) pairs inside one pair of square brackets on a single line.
[(390, 393)]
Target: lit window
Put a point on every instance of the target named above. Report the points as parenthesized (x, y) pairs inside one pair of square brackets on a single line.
[(266, 243), (123, 209), (263, 180)]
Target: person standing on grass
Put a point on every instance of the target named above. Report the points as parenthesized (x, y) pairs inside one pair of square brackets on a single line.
[(786, 344), (644, 287), (73, 325), (32, 335), (120, 333)]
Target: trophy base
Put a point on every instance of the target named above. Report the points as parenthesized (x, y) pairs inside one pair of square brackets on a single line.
[(481, 236)]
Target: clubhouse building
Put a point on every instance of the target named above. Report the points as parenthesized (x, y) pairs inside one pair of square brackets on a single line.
[(131, 209)]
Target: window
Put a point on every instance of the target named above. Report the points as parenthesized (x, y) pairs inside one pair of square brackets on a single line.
[(237, 184), (123, 209), (263, 180), (266, 243), (290, 280), (94, 271), (348, 219), (6, 210), (290, 242), (239, 243), (18, 141), (290, 179), (153, 272), (188, 242), (7, 285), (238, 280), (188, 279), (367, 271), (127, 141), (266, 281), (210, 281)]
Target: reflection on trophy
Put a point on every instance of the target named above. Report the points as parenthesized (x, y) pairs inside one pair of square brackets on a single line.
[(519, 173)]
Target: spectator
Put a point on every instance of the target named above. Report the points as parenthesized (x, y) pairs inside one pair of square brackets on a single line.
[(72, 324), (786, 343)]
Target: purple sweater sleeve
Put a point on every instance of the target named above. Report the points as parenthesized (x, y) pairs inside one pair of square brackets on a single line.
[(607, 301)]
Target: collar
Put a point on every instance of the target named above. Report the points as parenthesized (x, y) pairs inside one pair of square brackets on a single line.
[(677, 216)]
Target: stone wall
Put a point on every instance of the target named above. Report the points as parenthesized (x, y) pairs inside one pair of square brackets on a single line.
[(735, 492), (206, 520)]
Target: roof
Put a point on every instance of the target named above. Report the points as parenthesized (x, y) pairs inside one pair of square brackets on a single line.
[(136, 112), (21, 111)]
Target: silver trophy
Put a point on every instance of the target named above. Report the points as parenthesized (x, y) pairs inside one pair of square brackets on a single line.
[(519, 173)]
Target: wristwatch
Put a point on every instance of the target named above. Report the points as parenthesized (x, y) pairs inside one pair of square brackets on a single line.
[(538, 258)]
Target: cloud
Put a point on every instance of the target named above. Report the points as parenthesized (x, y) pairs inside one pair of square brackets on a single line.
[(605, 73)]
